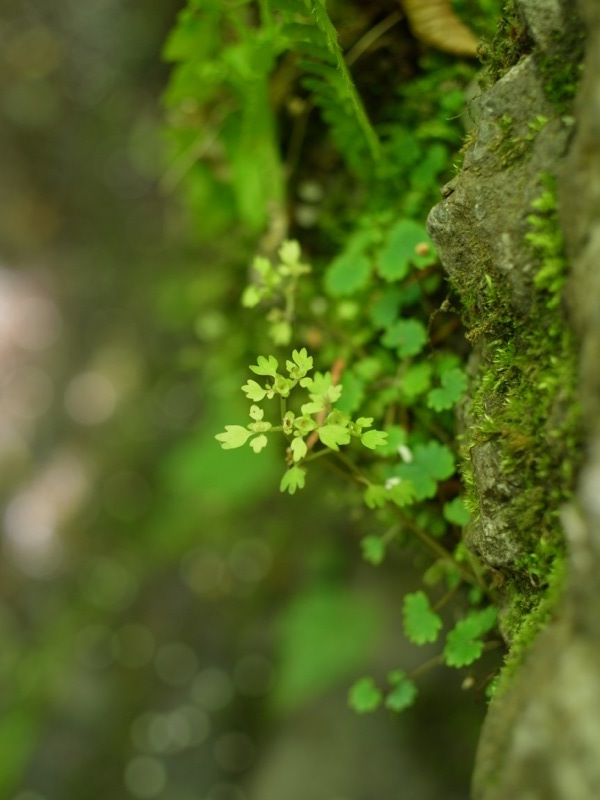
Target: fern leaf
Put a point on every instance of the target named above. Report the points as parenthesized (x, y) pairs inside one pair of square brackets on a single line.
[(323, 22), (310, 34)]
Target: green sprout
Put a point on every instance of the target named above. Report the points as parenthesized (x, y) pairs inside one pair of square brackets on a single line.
[(315, 419), (274, 283)]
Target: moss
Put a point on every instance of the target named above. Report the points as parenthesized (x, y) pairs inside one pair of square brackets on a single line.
[(528, 622), (525, 399), (562, 65), (509, 145), (510, 43)]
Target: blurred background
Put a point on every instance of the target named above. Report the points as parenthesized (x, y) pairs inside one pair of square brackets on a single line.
[(171, 627)]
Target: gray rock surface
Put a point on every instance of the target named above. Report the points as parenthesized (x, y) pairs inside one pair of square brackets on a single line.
[(541, 738), (479, 229)]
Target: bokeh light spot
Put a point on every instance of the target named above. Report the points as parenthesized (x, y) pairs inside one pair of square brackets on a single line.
[(90, 398), (250, 560), (126, 496), (175, 663), (133, 645), (234, 752), (108, 584), (26, 392), (145, 776), (39, 323), (212, 689), (93, 647), (226, 791), (253, 675)]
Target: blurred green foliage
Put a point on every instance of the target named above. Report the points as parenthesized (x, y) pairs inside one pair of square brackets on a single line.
[(272, 132)]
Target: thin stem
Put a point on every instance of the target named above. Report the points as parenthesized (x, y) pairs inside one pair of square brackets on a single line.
[(445, 599), (334, 468), (371, 36), (347, 462), (439, 550), (318, 454), (436, 661)]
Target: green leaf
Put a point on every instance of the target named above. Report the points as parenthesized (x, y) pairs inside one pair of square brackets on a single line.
[(408, 244), (365, 696), (365, 422), (396, 438), (254, 391), (456, 512), (289, 252), (461, 650), (282, 386), (375, 496), (334, 435), (416, 380), (421, 623), (258, 443), (436, 458), (301, 364), (298, 448), (401, 493), (348, 273), (293, 479), (453, 386), (432, 462), (251, 296), (408, 336), (234, 436), (353, 395), (463, 645), (373, 439), (426, 171), (305, 424), (373, 549), (404, 692), (280, 333), (385, 309), (265, 366)]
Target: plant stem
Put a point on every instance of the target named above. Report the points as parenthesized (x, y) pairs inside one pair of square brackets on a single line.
[(439, 550)]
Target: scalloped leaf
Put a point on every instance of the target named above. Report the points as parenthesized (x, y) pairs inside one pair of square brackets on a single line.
[(373, 549), (347, 273), (292, 480), (404, 693), (365, 696), (463, 643), (407, 336), (408, 244), (265, 366), (421, 624), (373, 439), (453, 386), (334, 435), (234, 436)]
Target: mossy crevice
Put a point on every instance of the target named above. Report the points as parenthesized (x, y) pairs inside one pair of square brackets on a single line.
[(524, 401)]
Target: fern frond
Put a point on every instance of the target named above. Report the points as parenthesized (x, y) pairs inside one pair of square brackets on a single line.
[(325, 25), (311, 34)]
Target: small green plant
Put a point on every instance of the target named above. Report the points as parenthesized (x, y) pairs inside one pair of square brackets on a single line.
[(422, 625), (404, 473), (316, 419), (373, 314), (277, 282)]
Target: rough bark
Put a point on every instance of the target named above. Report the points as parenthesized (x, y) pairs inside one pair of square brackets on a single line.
[(541, 738)]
